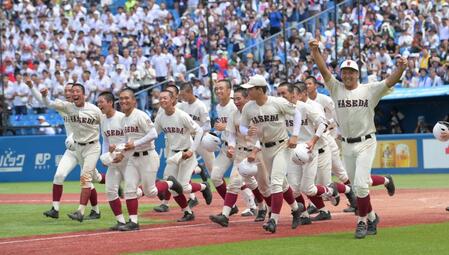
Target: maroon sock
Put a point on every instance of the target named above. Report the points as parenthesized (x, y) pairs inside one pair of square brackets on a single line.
[(84, 196), (103, 178), (268, 200), (222, 190), (257, 195), (288, 196), (230, 199), (195, 187), (181, 200), (340, 187), (364, 205), (377, 180), (317, 201), (162, 186), (132, 205), (320, 190), (348, 182), (116, 206), (243, 187), (276, 202), (300, 199), (93, 197), (57, 192), (167, 196)]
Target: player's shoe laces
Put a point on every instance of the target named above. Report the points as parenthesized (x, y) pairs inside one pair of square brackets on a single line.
[(270, 226), (129, 226), (161, 208), (207, 194), (261, 214), (372, 226), (322, 215), (390, 185), (76, 215), (360, 230), (116, 226), (176, 187), (188, 216), (52, 213), (192, 202), (220, 219), (204, 175), (93, 215)]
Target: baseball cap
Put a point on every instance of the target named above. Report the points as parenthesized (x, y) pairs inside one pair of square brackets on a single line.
[(41, 117), (255, 81), (349, 64)]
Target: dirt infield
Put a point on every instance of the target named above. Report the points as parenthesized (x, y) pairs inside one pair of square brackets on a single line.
[(405, 208)]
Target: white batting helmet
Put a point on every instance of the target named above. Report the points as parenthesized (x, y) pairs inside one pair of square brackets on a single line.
[(441, 126), (301, 154), (211, 142), (247, 169), (70, 143)]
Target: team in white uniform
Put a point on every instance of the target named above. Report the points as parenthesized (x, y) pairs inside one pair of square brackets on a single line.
[(355, 105)]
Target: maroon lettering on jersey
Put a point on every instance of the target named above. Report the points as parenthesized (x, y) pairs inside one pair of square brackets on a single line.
[(131, 129), (78, 119), (289, 123), (194, 117), (265, 118), (173, 130), (113, 132), (352, 103)]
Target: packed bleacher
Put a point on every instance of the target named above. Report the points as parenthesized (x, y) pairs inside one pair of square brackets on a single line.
[(109, 45)]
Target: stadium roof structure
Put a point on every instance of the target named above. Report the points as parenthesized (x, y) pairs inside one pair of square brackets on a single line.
[(408, 93)]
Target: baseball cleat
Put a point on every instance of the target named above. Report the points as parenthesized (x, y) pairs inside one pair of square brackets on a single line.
[(261, 214), (360, 230), (349, 209), (192, 202), (220, 219), (322, 215), (372, 226), (296, 219), (161, 208), (390, 186), (234, 210), (305, 221), (76, 215), (204, 175), (116, 226), (352, 199), (311, 209), (335, 197), (207, 194), (129, 226), (249, 212), (176, 187), (93, 215), (270, 226), (52, 213), (447, 208), (188, 216)]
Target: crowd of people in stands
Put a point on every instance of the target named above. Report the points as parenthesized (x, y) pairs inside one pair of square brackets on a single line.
[(143, 43)]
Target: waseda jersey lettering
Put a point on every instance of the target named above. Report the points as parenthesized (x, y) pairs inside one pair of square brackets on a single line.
[(352, 103), (131, 129), (173, 130), (109, 133), (265, 118), (78, 119)]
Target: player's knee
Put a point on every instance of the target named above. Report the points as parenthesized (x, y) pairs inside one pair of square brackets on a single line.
[(216, 180), (130, 195), (111, 195), (276, 188), (361, 191), (309, 191), (187, 188), (59, 179), (234, 186)]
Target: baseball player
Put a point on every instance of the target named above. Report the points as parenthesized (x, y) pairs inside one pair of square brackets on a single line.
[(238, 148), (178, 127), (302, 177), (143, 163), (265, 117), (68, 162), (355, 105), (337, 165), (84, 118)]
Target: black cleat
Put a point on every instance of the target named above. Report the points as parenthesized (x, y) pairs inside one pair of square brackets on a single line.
[(311, 209), (116, 226), (447, 208), (161, 208), (349, 209), (52, 213), (234, 210), (296, 219), (192, 202), (390, 186), (335, 197), (352, 199), (204, 175), (261, 214), (322, 215), (220, 219), (270, 226), (360, 230), (249, 212), (207, 194), (129, 226), (93, 215), (372, 226), (305, 221), (76, 215), (188, 216), (176, 187)]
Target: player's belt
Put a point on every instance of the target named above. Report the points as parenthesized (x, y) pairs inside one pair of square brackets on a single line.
[(271, 144), (357, 139), (140, 153), (84, 144), (321, 150), (245, 149), (176, 151)]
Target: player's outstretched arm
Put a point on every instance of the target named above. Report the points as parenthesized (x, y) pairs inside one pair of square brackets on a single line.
[(319, 60), (396, 75)]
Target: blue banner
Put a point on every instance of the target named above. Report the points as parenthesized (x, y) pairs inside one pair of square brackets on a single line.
[(404, 93)]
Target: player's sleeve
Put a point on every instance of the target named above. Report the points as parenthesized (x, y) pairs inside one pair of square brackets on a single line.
[(318, 120), (377, 90), (230, 130), (205, 119), (157, 123), (284, 106), (244, 121), (332, 84), (193, 128), (56, 104), (148, 127)]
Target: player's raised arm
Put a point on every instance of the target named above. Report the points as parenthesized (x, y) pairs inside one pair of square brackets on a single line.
[(319, 60), (396, 75)]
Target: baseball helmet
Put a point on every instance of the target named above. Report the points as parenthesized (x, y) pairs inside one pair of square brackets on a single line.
[(301, 154), (247, 169), (210, 142), (440, 127), (70, 143)]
